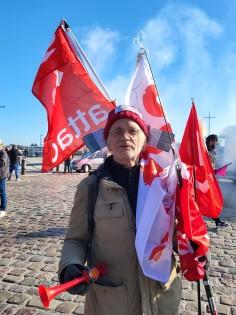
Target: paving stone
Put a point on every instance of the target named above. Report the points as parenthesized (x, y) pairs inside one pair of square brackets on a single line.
[(44, 312), (18, 299), (32, 291), (192, 306), (65, 296), (18, 264), (4, 296), (31, 273), (36, 258), (233, 311), (28, 282), (50, 268), (66, 307), (3, 286), (222, 309), (17, 288), (80, 309), (10, 310), (3, 306), (36, 302), (189, 296), (36, 265), (16, 272), (6, 262), (228, 300), (23, 257), (12, 279), (26, 311)]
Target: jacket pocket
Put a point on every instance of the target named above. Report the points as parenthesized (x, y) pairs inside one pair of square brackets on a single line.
[(108, 211), (107, 300), (111, 222)]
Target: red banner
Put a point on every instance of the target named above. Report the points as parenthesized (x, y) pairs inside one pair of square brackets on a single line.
[(192, 238), (74, 104), (193, 152)]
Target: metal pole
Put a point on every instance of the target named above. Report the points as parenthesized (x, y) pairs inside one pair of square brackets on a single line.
[(23, 166), (199, 297), (40, 140), (209, 124), (209, 294), (209, 117), (143, 51)]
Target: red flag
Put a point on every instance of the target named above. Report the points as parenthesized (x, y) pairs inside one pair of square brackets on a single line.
[(192, 238), (194, 152), (74, 104)]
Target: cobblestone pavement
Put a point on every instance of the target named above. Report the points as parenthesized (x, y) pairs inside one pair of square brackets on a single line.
[(31, 236)]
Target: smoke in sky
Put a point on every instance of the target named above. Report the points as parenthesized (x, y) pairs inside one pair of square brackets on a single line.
[(226, 151)]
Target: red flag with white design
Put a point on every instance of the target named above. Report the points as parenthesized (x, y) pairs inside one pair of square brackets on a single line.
[(193, 152), (75, 105), (157, 177), (154, 218), (142, 94)]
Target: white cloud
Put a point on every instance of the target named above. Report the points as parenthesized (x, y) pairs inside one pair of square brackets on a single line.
[(117, 87), (177, 32), (99, 45), (180, 40)]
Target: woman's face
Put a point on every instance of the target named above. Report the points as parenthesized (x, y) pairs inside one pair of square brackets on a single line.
[(126, 141)]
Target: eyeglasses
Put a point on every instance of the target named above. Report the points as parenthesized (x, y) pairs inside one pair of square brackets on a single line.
[(119, 132)]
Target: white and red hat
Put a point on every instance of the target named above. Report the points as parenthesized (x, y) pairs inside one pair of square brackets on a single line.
[(125, 112)]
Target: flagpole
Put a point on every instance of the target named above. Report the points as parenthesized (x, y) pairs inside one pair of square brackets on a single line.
[(177, 166), (143, 51), (80, 51), (195, 198)]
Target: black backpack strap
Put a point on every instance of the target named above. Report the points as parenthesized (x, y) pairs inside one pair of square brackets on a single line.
[(92, 198)]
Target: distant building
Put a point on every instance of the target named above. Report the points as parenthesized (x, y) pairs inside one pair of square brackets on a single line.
[(33, 151)]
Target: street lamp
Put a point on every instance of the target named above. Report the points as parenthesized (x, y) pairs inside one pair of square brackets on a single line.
[(40, 141)]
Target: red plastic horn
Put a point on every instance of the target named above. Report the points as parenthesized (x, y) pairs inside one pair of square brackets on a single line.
[(47, 294)]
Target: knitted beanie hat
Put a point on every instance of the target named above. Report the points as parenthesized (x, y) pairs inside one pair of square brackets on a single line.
[(125, 112)]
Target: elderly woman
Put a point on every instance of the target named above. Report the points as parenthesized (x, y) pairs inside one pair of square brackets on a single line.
[(124, 289)]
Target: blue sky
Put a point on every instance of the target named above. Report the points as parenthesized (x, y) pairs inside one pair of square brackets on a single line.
[(191, 44)]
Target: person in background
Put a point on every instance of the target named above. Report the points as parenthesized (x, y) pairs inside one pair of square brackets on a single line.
[(124, 289), (67, 165), (14, 156), (4, 171), (211, 142)]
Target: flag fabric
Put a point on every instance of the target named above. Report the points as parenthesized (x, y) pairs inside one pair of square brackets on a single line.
[(75, 105), (221, 171), (157, 177), (193, 152), (191, 230), (154, 220)]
